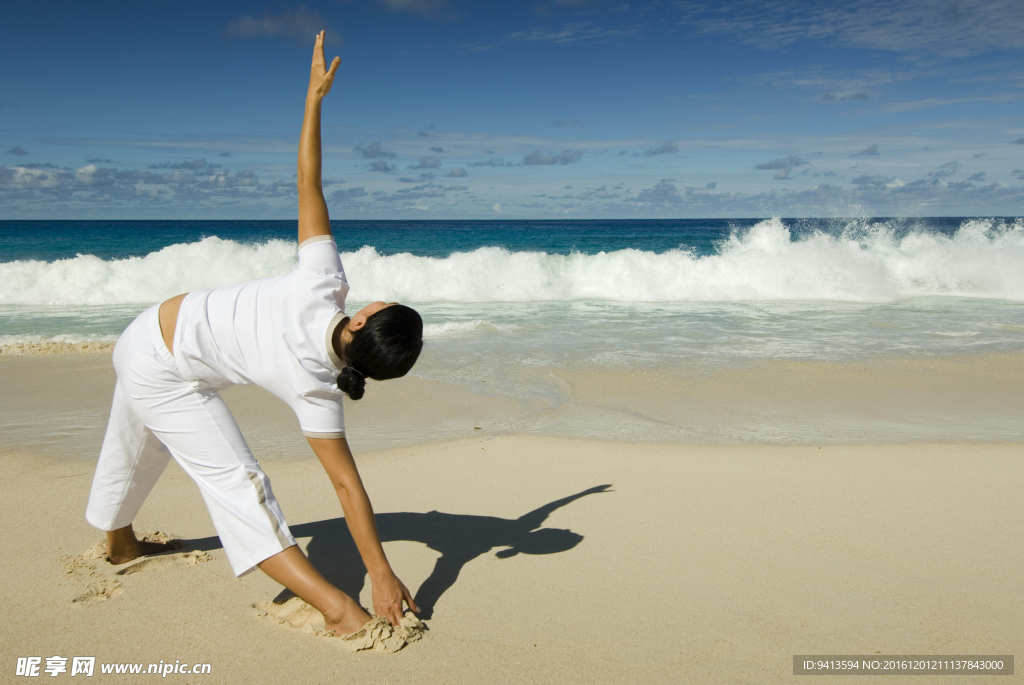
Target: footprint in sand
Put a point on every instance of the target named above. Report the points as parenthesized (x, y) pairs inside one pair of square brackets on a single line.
[(165, 560), (101, 580), (377, 634)]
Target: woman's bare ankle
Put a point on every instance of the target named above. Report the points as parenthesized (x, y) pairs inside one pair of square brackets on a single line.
[(123, 546), (346, 618)]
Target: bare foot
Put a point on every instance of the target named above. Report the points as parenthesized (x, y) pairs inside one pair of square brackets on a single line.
[(123, 546), (142, 548), (352, 621)]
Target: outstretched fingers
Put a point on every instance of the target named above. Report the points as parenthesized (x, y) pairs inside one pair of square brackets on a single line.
[(320, 77), (409, 600), (319, 61)]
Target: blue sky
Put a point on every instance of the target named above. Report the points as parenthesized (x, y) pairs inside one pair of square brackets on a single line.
[(516, 109)]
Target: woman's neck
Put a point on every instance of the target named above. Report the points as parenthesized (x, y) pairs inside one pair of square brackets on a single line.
[(338, 341)]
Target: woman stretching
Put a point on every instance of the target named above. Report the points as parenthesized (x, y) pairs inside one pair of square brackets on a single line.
[(290, 335)]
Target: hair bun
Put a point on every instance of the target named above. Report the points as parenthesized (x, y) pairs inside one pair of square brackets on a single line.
[(352, 383)]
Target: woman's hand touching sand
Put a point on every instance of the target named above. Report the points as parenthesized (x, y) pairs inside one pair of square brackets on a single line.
[(388, 595), (320, 77)]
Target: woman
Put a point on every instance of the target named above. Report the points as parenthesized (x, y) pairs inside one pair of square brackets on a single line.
[(289, 335)]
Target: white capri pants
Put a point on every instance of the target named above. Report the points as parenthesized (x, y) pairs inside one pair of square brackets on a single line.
[(158, 414)]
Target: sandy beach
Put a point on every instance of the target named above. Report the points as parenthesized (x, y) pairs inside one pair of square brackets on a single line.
[(540, 558)]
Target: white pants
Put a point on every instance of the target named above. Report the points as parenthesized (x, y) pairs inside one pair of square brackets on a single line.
[(157, 414)]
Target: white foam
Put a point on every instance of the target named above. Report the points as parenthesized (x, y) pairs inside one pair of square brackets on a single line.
[(439, 330), (62, 339), (55, 344), (89, 280), (984, 259)]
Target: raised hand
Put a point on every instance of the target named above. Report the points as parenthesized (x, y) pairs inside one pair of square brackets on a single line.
[(320, 77)]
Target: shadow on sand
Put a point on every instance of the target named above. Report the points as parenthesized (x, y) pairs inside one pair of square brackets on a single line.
[(459, 538)]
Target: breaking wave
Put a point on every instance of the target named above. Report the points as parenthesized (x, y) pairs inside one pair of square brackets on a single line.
[(983, 259)]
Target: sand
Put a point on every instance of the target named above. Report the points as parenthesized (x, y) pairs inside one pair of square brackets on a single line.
[(536, 558)]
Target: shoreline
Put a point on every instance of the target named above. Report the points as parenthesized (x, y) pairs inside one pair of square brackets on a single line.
[(57, 405), (712, 563)]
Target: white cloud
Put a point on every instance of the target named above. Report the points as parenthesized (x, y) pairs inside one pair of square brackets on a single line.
[(576, 32), (663, 149), (869, 151), (928, 103), (347, 194), (27, 178), (942, 27), (300, 27), (373, 151), (426, 162), (784, 164), (540, 158)]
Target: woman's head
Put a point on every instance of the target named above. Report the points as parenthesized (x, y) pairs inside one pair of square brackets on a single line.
[(381, 341)]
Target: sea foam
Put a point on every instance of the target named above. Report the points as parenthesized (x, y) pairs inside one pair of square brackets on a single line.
[(983, 259)]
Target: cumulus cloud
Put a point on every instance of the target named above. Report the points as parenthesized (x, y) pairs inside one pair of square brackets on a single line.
[(662, 193), (783, 166), (786, 163), (99, 160), (663, 149), (426, 163), (438, 149), (873, 181), (869, 151), (711, 186), (194, 165), (947, 169), (298, 27), (346, 194), (977, 178), (457, 172), (373, 151), (17, 151), (100, 184), (564, 157), (382, 166), (28, 178), (1019, 141), (227, 179)]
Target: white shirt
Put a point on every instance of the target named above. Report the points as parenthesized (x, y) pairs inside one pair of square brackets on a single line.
[(274, 333)]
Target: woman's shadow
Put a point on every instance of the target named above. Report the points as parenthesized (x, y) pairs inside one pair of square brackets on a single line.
[(459, 538)]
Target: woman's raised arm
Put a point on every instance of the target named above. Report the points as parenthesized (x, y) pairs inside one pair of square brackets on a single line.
[(313, 218)]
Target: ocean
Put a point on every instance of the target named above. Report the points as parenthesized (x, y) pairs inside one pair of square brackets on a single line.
[(504, 302)]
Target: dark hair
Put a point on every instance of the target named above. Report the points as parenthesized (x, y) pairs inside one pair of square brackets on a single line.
[(386, 347)]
